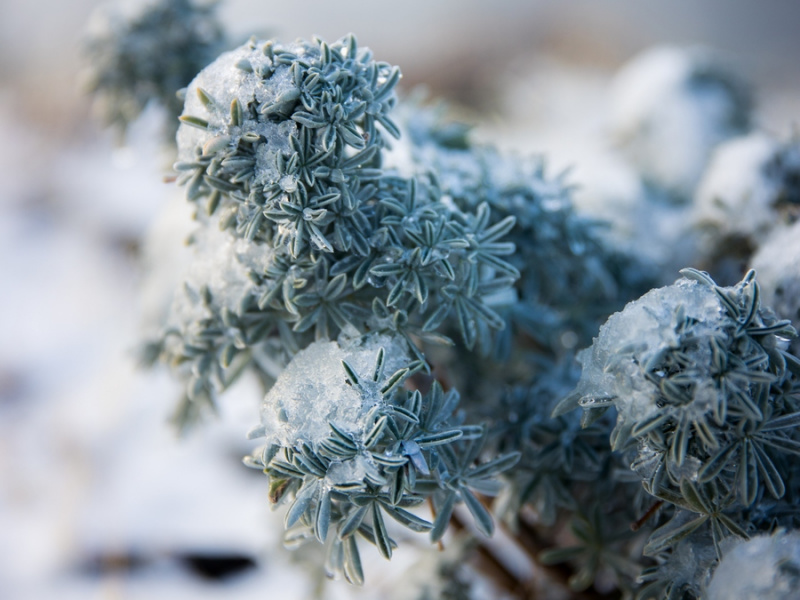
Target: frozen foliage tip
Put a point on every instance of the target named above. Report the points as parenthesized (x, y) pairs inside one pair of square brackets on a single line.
[(350, 446)]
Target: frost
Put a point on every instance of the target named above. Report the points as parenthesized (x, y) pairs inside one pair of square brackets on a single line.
[(313, 392), (688, 563), (766, 567), (615, 366), (670, 107), (688, 470)]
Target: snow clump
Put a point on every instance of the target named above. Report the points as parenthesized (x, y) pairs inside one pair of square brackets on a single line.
[(615, 367), (767, 567), (313, 391), (670, 108)]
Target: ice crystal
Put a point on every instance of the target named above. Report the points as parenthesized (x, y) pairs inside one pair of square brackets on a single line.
[(617, 366)]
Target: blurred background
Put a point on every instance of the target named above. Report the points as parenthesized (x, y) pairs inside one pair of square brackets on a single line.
[(98, 497)]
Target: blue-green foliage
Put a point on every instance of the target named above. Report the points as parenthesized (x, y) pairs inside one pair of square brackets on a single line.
[(569, 279), (569, 282), (411, 451), (150, 56), (708, 414), (351, 244), (454, 249), (354, 248), (478, 266)]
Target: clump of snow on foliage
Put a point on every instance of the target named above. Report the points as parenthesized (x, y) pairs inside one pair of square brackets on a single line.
[(220, 263), (313, 391), (615, 366), (767, 567), (223, 82), (670, 107), (777, 263), (737, 194)]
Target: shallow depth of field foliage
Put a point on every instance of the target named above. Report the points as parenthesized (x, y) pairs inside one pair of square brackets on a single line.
[(447, 345)]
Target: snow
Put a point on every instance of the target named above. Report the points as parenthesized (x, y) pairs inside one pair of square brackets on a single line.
[(640, 222), (566, 112), (128, 180), (277, 140), (688, 563), (349, 471), (614, 366), (669, 108), (224, 82), (313, 391), (165, 260), (89, 466), (399, 155), (736, 196), (89, 463), (764, 568), (221, 262), (123, 509), (777, 263)]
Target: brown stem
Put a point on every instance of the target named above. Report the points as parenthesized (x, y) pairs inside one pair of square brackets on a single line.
[(650, 512)]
